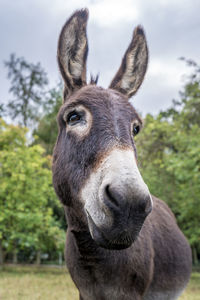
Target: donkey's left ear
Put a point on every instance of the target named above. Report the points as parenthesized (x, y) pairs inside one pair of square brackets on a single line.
[(72, 51), (133, 67)]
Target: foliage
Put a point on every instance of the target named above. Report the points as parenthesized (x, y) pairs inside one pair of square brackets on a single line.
[(47, 132), (26, 219), (27, 83), (2, 110), (169, 153), (47, 129), (31, 218)]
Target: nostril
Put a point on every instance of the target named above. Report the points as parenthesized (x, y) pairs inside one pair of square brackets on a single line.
[(141, 207), (148, 207), (144, 205), (110, 195)]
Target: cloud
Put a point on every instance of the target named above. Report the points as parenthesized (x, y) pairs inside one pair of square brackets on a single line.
[(31, 29), (109, 13)]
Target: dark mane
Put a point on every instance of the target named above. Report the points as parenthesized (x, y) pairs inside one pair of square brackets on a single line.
[(94, 79)]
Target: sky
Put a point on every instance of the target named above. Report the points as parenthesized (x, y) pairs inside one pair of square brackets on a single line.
[(30, 28)]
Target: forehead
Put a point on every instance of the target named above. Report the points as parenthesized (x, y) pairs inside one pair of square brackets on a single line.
[(102, 100)]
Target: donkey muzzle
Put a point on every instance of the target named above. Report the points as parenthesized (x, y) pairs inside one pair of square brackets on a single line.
[(127, 220), (117, 201)]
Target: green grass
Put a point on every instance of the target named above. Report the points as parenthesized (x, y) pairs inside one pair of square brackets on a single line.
[(48, 283), (192, 291), (36, 283)]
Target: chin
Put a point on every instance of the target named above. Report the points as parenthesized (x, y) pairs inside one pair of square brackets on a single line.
[(113, 238), (116, 245)]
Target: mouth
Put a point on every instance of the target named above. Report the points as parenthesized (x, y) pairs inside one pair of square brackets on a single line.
[(105, 239)]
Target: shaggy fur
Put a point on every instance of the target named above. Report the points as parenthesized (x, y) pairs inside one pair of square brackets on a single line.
[(154, 260)]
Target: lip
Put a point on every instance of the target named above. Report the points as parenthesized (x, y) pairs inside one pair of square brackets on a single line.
[(120, 242)]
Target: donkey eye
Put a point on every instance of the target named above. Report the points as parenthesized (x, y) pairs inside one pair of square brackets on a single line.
[(136, 129), (73, 118)]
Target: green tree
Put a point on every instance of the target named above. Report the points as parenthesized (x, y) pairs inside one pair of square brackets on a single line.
[(47, 132), (169, 153), (27, 87), (47, 129), (26, 219), (2, 110), (154, 145)]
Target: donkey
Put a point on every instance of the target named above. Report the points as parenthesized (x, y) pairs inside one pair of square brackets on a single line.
[(122, 242)]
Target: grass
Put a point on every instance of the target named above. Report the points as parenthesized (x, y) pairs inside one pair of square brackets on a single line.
[(51, 283), (36, 283), (192, 291)]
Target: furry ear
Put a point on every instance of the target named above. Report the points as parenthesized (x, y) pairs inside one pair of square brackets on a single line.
[(133, 67), (72, 51)]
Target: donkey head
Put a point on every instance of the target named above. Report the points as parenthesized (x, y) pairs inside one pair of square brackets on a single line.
[(95, 171)]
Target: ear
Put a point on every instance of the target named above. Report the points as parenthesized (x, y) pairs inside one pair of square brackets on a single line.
[(72, 51), (133, 67)]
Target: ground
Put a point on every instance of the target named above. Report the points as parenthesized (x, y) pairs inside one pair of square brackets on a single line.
[(51, 283)]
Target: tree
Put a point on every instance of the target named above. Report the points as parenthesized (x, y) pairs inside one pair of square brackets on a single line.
[(153, 146), (169, 152), (27, 87), (2, 110), (26, 220), (189, 102), (46, 134), (47, 129)]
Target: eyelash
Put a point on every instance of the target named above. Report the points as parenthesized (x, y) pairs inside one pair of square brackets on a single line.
[(73, 117)]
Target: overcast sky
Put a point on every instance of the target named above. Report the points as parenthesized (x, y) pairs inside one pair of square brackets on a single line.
[(30, 28)]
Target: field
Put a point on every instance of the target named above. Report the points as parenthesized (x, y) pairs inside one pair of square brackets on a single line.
[(47, 283)]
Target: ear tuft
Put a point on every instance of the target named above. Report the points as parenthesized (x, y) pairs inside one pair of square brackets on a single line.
[(94, 79), (139, 30), (134, 64), (82, 13)]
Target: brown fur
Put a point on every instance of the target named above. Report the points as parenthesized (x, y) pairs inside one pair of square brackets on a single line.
[(157, 265)]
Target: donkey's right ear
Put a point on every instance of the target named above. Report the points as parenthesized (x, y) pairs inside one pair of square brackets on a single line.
[(72, 51)]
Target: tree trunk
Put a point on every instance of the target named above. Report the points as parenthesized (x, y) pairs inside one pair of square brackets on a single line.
[(60, 258), (194, 254), (15, 260), (1, 254), (38, 258)]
